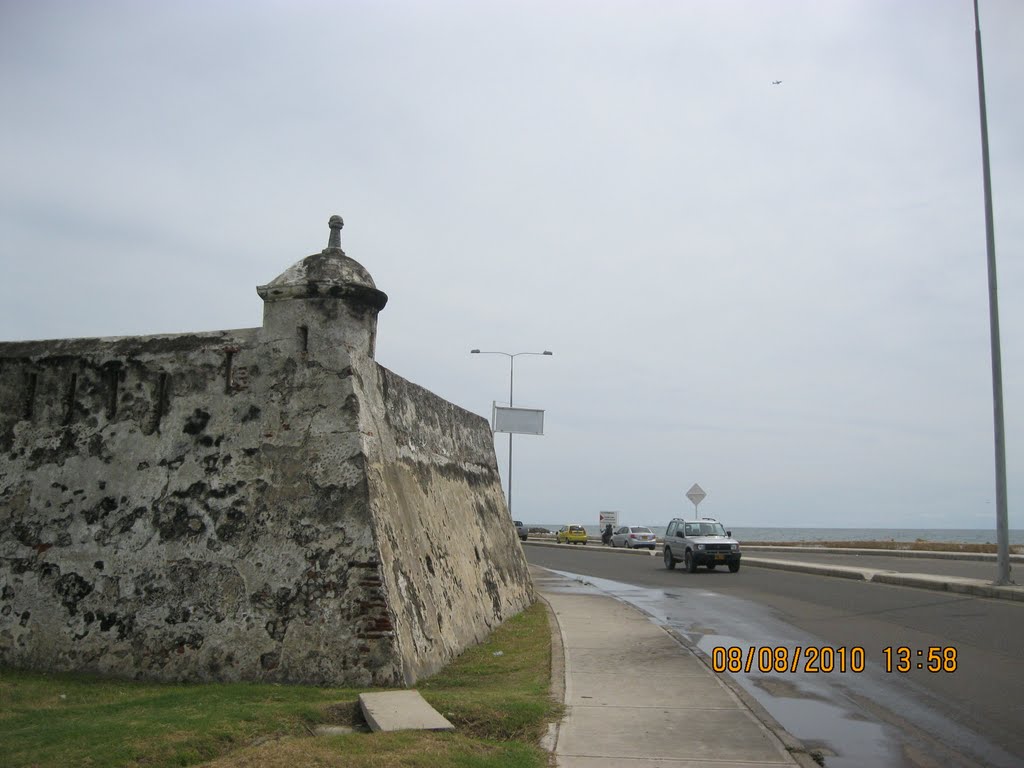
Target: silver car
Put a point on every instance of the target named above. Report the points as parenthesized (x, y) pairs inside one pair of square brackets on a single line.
[(632, 536), (520, 529)]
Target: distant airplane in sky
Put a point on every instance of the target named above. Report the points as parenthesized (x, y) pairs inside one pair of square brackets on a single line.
[(776, 82)]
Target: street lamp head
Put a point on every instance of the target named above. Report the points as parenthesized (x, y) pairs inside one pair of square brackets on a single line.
[(546, 352), (474, 351)]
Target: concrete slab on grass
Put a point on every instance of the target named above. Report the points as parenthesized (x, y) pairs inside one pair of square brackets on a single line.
[(401, 711)]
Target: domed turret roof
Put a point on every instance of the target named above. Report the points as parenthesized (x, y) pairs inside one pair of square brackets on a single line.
[(328, 274)]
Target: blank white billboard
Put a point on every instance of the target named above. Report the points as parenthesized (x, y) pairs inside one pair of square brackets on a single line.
[(521, 421)]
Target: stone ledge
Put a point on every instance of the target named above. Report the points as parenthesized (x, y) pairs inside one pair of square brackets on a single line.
[(401, 711)]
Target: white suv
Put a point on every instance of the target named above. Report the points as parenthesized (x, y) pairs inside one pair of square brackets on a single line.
[(700, 542)]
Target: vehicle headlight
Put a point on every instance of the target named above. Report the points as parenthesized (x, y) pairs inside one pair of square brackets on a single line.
[(700, 546), (735, 547)]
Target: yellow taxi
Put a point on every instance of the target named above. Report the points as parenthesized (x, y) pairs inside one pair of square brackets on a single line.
[(571, 534)]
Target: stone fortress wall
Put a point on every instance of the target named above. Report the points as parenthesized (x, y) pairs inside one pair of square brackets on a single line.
[(264, 504)]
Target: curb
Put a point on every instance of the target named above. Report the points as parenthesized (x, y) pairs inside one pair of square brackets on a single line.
[(549, 741), (975, 587), (835, 571), (911, 553)]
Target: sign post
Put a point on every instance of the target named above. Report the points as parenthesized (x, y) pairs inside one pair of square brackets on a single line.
[(696, 495), (608, 517)]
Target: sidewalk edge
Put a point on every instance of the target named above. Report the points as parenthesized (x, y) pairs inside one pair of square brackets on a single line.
[(550, 740), (803, 756)]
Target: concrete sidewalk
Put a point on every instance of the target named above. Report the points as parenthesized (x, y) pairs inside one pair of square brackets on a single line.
[(636, 697)]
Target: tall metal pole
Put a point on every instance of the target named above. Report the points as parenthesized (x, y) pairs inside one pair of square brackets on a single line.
[(511, 376), (511, 383), (1002, 524)]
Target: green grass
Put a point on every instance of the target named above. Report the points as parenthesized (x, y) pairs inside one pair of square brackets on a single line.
[(500, 705)]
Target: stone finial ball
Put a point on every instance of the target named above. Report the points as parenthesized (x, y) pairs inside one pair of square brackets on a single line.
[(336, 222)]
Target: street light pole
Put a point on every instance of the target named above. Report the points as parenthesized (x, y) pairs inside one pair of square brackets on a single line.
[(511, 378), (1002, 522), (511, 382)]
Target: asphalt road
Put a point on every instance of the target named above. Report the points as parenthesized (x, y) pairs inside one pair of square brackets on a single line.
[(970, 716)]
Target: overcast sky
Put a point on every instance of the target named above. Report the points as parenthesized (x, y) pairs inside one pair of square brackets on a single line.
[(776, 291)]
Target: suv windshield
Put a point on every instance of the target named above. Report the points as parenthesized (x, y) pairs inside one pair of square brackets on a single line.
[(705, 529)]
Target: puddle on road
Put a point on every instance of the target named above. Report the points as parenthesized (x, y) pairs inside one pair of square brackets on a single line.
[(817, 714), (571, 585), (847, 738), (784, 689), (820, 710)]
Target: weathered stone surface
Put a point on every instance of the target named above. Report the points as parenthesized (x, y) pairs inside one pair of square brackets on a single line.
[(259, 504)]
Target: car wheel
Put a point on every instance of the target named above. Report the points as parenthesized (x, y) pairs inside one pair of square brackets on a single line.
[(584, 543), (691, 564), (733, 567), (670, 562), (711, 566)]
